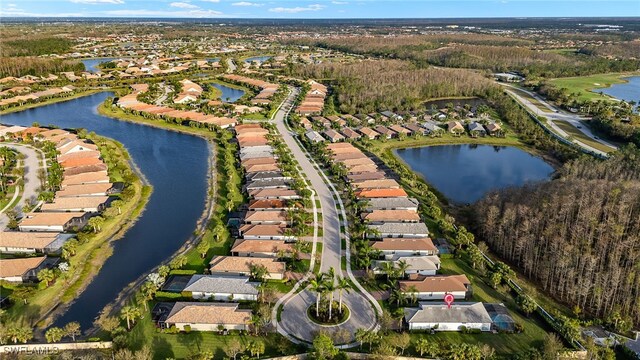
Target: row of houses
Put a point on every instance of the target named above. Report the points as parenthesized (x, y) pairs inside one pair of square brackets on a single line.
[(84, 192), (27, 96), (313, 101), (189, 92), (262, 237), (267, 89), (131, 102)]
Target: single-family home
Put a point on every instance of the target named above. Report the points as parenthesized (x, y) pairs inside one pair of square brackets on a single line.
[(242, 266), (436, 287), (350, 134), (22, 269), (476, 129), (260, 248), (385, 131), (427, 265), (265, 232), (91, 204), (380, 193), (314, 136), (432, 128), (373, 175), (455, 127), (394, 203), (393, 247), (214, 287), (53, 221), (385, 216), (441, 317), (267, 217), (399, 230), (333, 136), (202, 316), (16, 242), (99, 190), (369, 133), (494, 129)]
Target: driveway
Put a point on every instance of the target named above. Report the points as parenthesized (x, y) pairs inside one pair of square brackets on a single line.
[(31, 164), (294, 320), (557, 114)]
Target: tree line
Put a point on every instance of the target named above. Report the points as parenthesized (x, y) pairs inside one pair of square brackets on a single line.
[(28, 65), (577, 236)]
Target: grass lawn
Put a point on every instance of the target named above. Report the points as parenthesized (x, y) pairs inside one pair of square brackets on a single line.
[(578, 135), (532, 99), (180, 346), (587, 86)]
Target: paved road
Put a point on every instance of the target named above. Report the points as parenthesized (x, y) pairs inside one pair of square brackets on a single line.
[(31, 164), (557, 114), (231, 66), (294, 320)]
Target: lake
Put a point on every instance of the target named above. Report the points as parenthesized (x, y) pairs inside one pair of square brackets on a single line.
[(629, 91), (229, 94), (91, 65), (258, 58), (465, 173), (175, 164)]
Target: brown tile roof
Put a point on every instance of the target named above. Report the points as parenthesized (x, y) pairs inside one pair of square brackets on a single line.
[(438, 283), (262, 193), (85, 189), (17, 267), (265, 216), (348, 155), (262, 246), (85, 169), (261, 167), (421, 244), (391, 215), (262, 230), (243, 264), (362, 169), (80, 202), (377, 184), (266, 204), (258, 161), (355, 162), (208, 313), (49, 219), (86, 178), (340, 146), (32, 240), (381, 193), (374, 175), (79, 155), (78, 162)]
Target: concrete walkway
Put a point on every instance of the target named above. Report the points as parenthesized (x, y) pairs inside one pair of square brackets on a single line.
[(294, 322), (557, 114), (31, 164)]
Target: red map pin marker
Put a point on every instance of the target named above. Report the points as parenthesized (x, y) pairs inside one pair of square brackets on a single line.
[(448, 298)]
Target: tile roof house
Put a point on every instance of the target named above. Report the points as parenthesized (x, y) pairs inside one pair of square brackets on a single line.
[(221, 288), (399, 230), (351, 134), (76, 204), (260, 248), (440, 317), (455, 127), (16, 242), (373, 175), (395, 203), (394, 247), (267, 217), (54, 222), (22, 269), (333, 136), (436, 287), (380, 193), (314, 136), (421, 265), (384, 216), (377, 184), (265, 232), (369, 133), (198, 316), (241, 266), (267, 205), (476, 129), (99, 189)]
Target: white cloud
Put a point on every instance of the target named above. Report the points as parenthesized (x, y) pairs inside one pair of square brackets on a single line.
[(294, 10), (213, 1), (197, 13), (246, 3), (183, 5), (339, 2), (96, 2)]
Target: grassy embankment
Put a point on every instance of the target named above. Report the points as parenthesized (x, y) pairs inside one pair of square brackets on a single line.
[(52, 100), (587, 86), (91, 254), (578, 135)]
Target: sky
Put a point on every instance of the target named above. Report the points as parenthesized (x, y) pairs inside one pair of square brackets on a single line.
[(324, 9)]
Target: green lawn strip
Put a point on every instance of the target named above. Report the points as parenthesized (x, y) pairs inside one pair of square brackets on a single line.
[(578, 135), (48, 101), (587, 86)]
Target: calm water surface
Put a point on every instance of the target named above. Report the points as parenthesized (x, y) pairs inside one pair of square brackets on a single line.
[(258, 58), (91, 65), (177, 167), (465, 173), (229, 94), (629, 91)]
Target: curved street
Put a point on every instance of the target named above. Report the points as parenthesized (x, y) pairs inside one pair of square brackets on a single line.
[(31, 184), (294, 320)]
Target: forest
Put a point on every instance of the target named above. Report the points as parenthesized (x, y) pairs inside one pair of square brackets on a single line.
[(20, 66), (369, 86), (577, 236), (35, 46), (484, 52)]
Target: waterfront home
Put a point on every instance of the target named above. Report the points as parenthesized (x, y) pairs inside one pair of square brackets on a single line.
[(185, 98), (258, 161), (267, 205), (395, 203), (349, 163), (414, 129), (421, 265), (348, 155), (357, 169), (384, 216), (86, 178), (384, 131), (21, 270), (257, 155), (399, 229), (267, 175), (91, 204), (265, 232), (282, 194), (455, 127), (199, 316), (399, 129), (214, 287), (377, 184), (267, 217), (494, 128), (79, 155), (476, 129), (50, 221), (436, 287), (256, 149), (16, 242), (241, 266), (75, 146), (84, 169), (249, 141), (99, 189), (441, 317), (380, 193), (369, 133), (393, 247), (373, 175), (350, 134), (260, 248), (267, 184)]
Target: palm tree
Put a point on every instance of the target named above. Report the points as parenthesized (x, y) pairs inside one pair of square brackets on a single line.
[(388, 268), (47, 276), (317, 286), (343, 286), (398, 297), (402, 267), (118, 205), (130, 313), (96, 222), (330, 287), (72, 330)]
